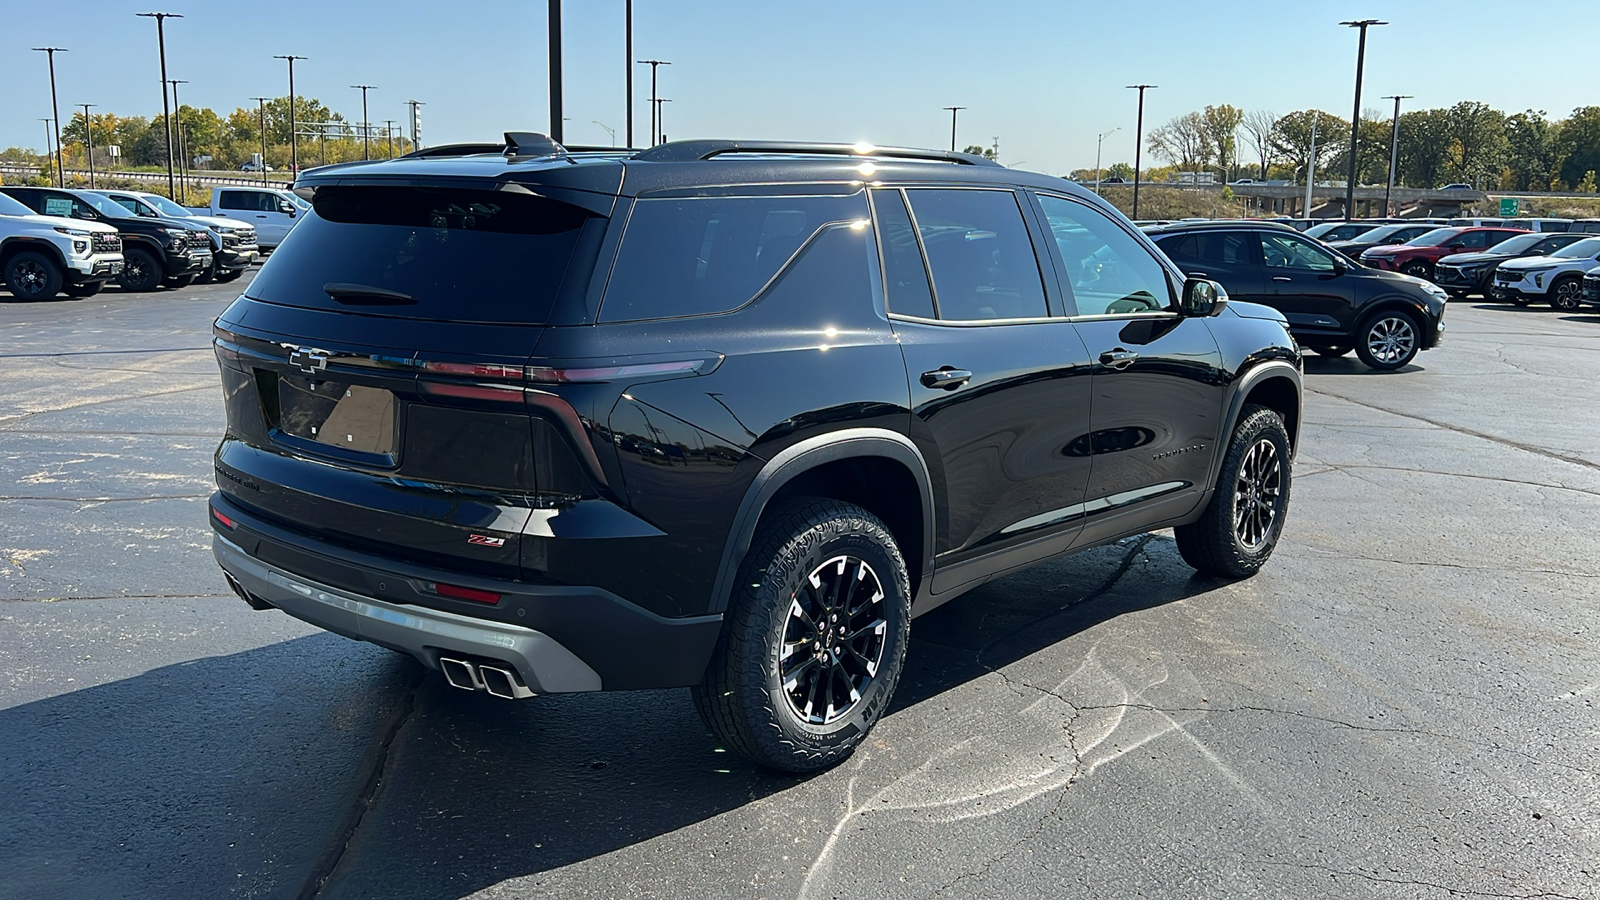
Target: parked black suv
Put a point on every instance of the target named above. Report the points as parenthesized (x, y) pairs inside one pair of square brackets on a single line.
[(721, 415), (1461, 274), (155, 251), (1332, 303)]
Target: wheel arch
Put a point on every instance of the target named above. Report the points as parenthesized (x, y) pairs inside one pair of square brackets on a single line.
[(12, 246), (1275, 384), (882, 471)]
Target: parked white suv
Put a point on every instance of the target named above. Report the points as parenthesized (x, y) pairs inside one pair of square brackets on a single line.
[(1557, 278), (41, 256)]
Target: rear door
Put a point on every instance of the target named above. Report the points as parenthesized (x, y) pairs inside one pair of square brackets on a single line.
[(1000, 388), (1231, 258)]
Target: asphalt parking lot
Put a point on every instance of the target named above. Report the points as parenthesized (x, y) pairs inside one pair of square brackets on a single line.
[(1403, 704)]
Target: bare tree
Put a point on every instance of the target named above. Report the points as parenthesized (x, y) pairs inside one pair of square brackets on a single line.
[(1258, 132), (1182, 142)]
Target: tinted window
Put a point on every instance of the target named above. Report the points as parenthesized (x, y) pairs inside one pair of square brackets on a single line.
[(1280, 251), (905, 277), (127, 203), (237, 200), (1476, 240), (1107, 271), (700, 255), (980, 253), (461, 255), (1544, 246), (1217, 248), (10, 207)]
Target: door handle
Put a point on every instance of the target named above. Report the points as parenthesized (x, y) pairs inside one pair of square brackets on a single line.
[(1281, 278), (1118, 359), (946, 378)]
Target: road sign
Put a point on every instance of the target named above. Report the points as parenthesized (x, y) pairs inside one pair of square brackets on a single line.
[(1508, 206)]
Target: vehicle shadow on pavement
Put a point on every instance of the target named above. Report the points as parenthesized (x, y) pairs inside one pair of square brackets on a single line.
[(1350, 365)]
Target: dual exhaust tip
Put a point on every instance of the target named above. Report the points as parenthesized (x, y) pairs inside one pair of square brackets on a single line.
[(499, 680)]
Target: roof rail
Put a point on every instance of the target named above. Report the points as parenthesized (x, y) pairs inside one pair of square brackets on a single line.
[(454, 150), (690, 151)]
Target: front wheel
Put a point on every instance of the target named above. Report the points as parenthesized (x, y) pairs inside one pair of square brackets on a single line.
[(1241, 525), (814, 639), (140, 271), (33, 276), (1389, 340), (1418, 269), (1567, 294)]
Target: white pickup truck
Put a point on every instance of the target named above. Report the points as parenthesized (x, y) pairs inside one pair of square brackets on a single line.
[(273, 211)]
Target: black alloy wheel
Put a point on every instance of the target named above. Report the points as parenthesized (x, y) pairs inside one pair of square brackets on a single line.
[(33, 276), (814, 637), (1241, 524), (1389, 340), (1567, 294), (1418, 269), (140, 271)]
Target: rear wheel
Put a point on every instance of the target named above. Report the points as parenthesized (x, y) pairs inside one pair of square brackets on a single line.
[(33, 276), (140, 271), (1389, 340), (1242, 523), (1567, 294), (87, 289), (814, 639)]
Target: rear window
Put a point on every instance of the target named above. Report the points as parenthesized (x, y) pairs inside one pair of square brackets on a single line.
[(701, 255), (459, 255)]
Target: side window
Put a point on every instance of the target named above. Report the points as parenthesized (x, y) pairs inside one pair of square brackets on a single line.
[(980, 253), (1279, 251), (1108, 272), (60, 206), (905, 277), (235, 200), (128, 204), (700, 255), (1477, 240), (1217, 248)]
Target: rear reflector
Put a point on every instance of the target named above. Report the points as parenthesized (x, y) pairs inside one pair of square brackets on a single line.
[(226, 522), (464, 593)]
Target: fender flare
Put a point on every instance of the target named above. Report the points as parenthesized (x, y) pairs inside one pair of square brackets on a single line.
[(806, 455), (1275, 368), (23, 244)]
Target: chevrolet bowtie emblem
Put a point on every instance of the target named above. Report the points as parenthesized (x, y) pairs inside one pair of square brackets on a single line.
[(308, 361)]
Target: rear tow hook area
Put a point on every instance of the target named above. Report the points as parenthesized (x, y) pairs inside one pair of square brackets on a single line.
[(499, 679), (255, 602)]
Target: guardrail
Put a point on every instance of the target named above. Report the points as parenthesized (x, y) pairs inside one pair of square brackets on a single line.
[(198, 177)]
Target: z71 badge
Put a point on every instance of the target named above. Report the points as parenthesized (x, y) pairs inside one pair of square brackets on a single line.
[(486, 540)]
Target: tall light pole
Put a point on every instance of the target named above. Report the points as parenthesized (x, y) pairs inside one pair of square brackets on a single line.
[(555, 71), (627, 65), (609, 130), (366, 127), (1138, 144), (1355, 117), (654, 106), (388, 134), (177, 111), (49, 138), (1311, 164), (661, 122), (953, 111), (294, 139), (1097, 139), (88, 141), (166, 114), (416, 124), (262, 101), (61, 177), (1394, 149)]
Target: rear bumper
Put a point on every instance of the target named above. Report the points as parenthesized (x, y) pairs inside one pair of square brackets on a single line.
[(229, 259), (560, 638)]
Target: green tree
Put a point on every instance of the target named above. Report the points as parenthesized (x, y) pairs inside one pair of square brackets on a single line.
[(1424, 147), (1221, 127), (1478, 133), (1534, 152), (1291, 138), (974, 149), (1580, 140)]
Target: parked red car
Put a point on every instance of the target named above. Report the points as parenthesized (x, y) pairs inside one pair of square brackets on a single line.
[(1418, 255)]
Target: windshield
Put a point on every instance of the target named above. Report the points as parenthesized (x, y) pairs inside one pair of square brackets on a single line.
[(167, 207), (1518, 244), (108, 207), (1382, 235), (10, 207), (1434, 238), (1588, 247)]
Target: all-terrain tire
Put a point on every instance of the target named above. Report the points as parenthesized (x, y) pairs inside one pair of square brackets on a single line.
[(763, 693), (141, 271), (1241, 524), (33, 276)]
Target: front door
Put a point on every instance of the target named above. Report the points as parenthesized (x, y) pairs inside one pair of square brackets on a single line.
[(1000, 388), (1308, 286), (1158, 380)]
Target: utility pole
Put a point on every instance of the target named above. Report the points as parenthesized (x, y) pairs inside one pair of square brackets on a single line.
[(294, 139), (1394, 149), (262, 101), (555, 71), (627, 64), (49, 140), (1097, 141), (953, 111), (88, 140), (388, 133), (661, 122), (1138, 144), (177, 110), (416, 124), (654, 106), (366, 127), (166, 115), (55, 110), (609, 130), (1355, 117)]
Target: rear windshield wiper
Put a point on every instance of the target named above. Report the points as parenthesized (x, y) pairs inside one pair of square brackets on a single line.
[(365, 294)]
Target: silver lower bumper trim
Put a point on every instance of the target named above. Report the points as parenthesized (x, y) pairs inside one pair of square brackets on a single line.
[(544, 664)]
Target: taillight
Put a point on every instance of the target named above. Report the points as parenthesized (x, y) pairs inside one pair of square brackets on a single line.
[(224, 520), (564, 375)]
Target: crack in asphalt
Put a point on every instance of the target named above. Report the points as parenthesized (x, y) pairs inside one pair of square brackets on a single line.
[(1461, 429), (327, 864), (1457, 892), (1327, 554)]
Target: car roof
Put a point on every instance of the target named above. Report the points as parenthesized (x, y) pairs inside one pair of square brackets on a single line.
[(1220, 225)]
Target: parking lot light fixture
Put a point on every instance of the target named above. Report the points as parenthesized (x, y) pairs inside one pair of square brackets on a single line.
[(88, 140), (262, 102), (953, 111), (61, 176), (1355, 117), (609, 130), (294, 140), (177, 113), (655, 108), (166, 114), (1394, 149), (366, 128), (1138, 143), (1098, 139)]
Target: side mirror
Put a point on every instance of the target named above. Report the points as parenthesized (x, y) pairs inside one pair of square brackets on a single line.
[(1202, 297), (285, 206)]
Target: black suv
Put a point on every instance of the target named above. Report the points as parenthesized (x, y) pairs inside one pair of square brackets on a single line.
[(1332, 303), (156, 251), (1461, 274), (721, 415)]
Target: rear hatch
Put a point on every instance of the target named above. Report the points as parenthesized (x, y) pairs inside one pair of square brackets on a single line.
[(373, 370)]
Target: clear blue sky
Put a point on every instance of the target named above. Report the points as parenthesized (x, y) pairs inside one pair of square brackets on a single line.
[(1044, 77)]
